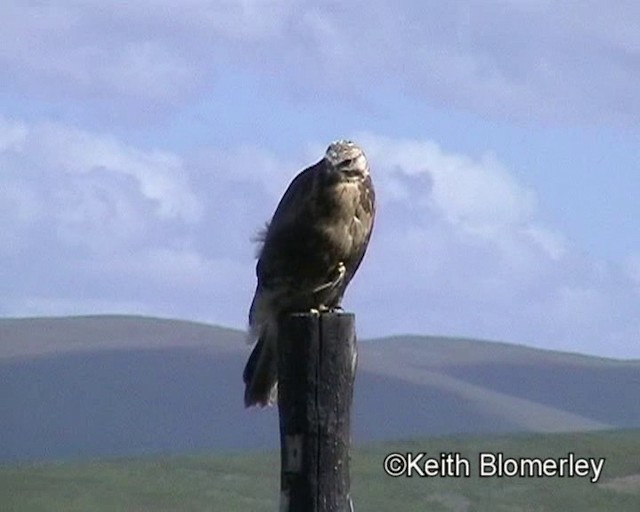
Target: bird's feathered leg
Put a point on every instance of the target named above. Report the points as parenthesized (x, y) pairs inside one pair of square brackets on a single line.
[(342, 270)]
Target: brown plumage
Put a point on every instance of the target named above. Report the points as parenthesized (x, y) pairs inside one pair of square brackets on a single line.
[(310, 251)]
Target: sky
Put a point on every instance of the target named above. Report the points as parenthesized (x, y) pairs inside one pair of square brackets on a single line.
[(143, 144)]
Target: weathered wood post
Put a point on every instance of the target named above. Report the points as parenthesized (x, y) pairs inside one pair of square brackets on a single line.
[(316, 369)]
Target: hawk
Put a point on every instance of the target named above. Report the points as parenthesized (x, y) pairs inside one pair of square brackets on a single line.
[(310, 251)]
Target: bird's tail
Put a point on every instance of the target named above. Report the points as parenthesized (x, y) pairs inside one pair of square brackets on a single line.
[(261, 371)]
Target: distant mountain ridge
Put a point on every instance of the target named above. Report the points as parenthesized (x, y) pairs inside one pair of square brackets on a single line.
[(121, 385), (24, 337)]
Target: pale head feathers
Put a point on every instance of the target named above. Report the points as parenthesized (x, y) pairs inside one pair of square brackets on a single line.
[(345, 156)]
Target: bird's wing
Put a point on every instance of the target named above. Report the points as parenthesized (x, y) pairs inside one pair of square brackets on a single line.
[(281, 264), (288, 245), (295, 198)]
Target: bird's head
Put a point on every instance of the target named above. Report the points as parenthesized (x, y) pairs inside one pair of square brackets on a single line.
[(348, 160)]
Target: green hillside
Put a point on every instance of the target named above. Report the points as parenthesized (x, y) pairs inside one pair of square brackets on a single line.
[(113, 385), (250, 483)]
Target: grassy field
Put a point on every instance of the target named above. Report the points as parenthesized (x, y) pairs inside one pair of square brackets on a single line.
[(250, 483)]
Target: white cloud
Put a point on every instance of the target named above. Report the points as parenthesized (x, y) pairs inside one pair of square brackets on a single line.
[(12, 135), (76, 48), (474, 194), (486, 57), (459, 246), (70, 198), (551, 241), (460, 249), (90, 221), (632, 270), (478, 198), (96, 189), (145, 55), (159, 175), (172, 268), (19, 208)]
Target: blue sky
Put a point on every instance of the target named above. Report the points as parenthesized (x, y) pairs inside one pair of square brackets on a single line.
[(142, 144)]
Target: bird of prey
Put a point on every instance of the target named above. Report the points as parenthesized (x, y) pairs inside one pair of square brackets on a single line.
[(310, 251)]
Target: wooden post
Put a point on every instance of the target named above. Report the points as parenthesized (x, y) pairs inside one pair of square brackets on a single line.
[(316, 369)]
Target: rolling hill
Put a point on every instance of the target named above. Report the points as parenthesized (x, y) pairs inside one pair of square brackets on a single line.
[(98, 386)]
